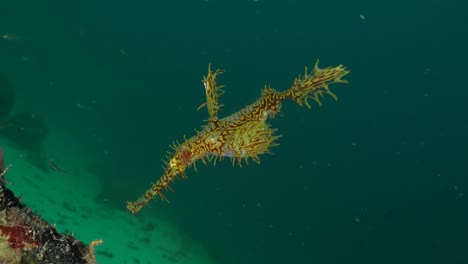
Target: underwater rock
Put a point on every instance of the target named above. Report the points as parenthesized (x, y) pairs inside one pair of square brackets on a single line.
[(26, 238), (27, 129), (7, 98)]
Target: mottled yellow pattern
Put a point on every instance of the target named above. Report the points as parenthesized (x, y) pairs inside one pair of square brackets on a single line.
[(242, 135)]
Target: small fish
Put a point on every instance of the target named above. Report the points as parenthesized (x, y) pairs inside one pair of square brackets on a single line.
[(26, 58), (55, 167), (84, 107), (12, 37)]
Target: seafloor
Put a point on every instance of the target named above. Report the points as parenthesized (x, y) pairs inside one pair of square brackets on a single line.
[(68, 200)]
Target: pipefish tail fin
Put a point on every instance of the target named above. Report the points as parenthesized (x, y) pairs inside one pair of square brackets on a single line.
[(315, 84)]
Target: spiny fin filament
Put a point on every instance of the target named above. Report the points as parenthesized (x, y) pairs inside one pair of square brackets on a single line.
[(315, 84), (213, 92)]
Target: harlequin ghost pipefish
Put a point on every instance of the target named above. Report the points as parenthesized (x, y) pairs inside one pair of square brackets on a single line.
[(242, 135)]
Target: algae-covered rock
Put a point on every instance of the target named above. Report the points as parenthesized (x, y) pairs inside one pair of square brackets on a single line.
[(26, 238)]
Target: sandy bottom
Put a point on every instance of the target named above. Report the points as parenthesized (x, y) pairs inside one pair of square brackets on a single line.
[(69, 201)]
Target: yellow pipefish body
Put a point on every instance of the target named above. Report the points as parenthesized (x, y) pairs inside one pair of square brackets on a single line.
[(243, 135)]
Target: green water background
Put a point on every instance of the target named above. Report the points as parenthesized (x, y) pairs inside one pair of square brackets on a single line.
[(377, 177)]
